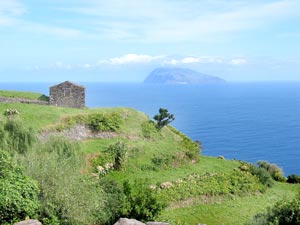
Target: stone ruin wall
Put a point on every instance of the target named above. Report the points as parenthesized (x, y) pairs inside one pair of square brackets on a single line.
[(67, 95)]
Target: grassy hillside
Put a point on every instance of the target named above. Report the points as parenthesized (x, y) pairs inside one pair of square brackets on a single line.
[(203, 190), (26, 95)]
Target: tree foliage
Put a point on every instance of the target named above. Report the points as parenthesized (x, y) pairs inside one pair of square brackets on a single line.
[(18, 193), (163, 118)]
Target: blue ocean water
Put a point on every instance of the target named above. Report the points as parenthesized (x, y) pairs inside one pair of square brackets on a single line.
[(247, 121)]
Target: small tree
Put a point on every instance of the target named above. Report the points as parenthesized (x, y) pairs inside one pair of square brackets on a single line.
[(163, 118)]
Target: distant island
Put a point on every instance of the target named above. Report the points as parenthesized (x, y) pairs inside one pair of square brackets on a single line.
[(180, 76)]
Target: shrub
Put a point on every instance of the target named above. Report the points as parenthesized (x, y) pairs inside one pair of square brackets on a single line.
[(273, 169), (62, 147), (115, 200), (141, 202), (11, 113), (18, 193), (67, 196), (104, 122), (119, 154), (16, 137), (283, 212), (262, 174), (162, 160), (293, 179)]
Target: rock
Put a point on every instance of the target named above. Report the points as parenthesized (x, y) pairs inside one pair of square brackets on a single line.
[(29, 222), (125, 221), (157, 223)]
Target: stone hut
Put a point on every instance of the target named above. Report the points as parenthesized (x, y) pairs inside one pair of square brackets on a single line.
[(67, 94)]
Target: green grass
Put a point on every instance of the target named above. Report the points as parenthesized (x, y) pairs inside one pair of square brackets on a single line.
[(26, 95), (235, 211), (219, 209)]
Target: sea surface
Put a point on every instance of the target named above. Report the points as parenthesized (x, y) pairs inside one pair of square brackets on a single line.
[(246, 121)]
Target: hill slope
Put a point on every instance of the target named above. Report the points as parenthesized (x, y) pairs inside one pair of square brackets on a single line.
[(196, 189), (180, 76)]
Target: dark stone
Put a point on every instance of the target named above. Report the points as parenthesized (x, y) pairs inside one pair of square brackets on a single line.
[(67, 94)]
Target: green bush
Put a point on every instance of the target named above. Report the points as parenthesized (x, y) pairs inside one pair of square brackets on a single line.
[(104, 122), (141, 202), (67, 195), (282, 213), (62, 147), (162, 160), (16, 137), (209, 184), (273, 169), (293, 179), (119, 153), (262, 174), (18, 193), (115, 200)]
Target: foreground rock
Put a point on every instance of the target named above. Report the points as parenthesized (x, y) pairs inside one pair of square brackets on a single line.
[(125, 221), (29, 222)]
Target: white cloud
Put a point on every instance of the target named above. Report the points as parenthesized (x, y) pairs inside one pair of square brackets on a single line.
[(194, 60), (130, 59), (238, 61)]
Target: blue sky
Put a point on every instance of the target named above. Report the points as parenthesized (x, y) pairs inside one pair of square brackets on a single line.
[(124, 40)]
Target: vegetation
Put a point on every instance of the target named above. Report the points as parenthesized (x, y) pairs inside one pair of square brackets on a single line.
[(285, 212), (163, 118), (293, 179), (24, 95), (142, 172), (18, 192)]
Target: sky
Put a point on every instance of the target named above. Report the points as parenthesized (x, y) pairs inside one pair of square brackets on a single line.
[(124, 40)]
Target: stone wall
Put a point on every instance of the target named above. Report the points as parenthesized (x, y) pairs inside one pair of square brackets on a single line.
[(67, 94), (22, 100)]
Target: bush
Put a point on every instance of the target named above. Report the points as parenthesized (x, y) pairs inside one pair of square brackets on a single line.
[(262, 174), (283, 212), (16, 137), (104, 122), (119, 154), (115, 200), (18, 193), (293, 179), (141, 202), (67, 196), (273, 169)]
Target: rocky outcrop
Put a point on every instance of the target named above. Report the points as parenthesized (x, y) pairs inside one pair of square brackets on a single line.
[(29, 222), (78, 133), (125, 221)]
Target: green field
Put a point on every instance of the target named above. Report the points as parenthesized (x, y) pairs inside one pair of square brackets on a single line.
[(159, 157)]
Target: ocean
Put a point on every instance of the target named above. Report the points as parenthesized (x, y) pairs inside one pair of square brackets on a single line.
[(246, 121)]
